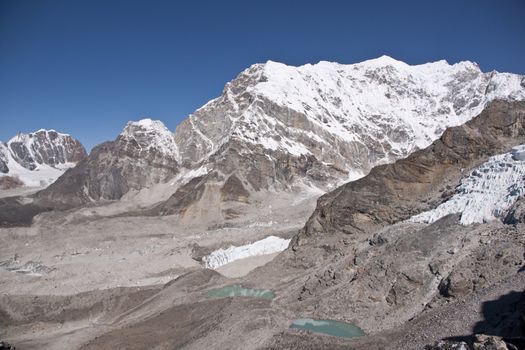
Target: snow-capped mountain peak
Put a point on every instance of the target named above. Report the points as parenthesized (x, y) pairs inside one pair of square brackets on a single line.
[(45, 147), (370, 112), (40, 157), (151, 134)]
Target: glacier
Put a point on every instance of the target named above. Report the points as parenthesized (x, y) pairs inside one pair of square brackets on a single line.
[(487, 192), (269, 245)]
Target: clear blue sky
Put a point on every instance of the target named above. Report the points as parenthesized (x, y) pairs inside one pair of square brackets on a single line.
[(87, 67)]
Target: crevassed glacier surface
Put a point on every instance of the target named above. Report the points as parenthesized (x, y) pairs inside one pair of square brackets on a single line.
[(487, 192), (269, 245)]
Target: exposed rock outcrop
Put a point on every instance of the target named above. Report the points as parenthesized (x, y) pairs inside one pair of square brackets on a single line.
[(516, 213), (138, 158)]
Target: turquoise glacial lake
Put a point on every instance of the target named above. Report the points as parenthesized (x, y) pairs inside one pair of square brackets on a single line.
[(236, 290)]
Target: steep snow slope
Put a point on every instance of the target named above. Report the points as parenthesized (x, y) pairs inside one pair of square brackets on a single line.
[(38, 159), (487, 192), (349, 117)]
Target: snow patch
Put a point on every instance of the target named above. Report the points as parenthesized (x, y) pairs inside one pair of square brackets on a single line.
[(185, 177)]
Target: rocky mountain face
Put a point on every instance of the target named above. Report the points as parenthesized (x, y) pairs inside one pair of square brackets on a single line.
[(45, 147), (395, 192), (367, 261), (38, 158), (143, 154), (282, 128)]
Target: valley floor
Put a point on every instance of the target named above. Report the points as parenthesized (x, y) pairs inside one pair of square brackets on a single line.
[(81, 280)]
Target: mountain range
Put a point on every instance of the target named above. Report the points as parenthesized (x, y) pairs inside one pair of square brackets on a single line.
[(378, 196), (278, 128)]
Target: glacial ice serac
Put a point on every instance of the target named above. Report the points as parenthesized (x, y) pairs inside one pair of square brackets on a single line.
[(487, 192), (221, 257)]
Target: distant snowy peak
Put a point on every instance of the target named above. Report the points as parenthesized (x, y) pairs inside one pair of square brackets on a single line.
[(151, 134), (45, 147), (38, 158)]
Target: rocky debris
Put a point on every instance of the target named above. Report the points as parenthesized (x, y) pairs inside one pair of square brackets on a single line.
[(378, 284), (9, 182), (382, 286), (500, 252), (516, 213), (487, 342), (395, 192), (6, 346), (481, 342), (448, 345), (32, 268)]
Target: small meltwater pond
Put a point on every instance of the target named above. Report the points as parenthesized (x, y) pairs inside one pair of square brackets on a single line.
[(330, 327), (236, 290)]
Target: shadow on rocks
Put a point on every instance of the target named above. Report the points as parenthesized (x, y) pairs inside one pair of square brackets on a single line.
[(502, 327)]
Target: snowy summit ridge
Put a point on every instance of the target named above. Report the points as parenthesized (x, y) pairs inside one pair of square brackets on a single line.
[(351, 117)]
